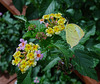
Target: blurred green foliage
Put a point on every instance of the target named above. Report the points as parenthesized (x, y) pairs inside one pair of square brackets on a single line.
[(11, 31)]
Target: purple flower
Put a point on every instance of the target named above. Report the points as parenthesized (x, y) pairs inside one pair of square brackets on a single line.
[(61, 62), (22, 44), (41, 21), (39, 55), (0, 13), (36, 80)]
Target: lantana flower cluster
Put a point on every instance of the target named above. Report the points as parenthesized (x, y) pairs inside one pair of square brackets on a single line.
[(26, 55), (54, 23)]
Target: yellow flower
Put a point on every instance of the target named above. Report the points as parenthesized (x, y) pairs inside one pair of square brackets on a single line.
[(30, 56), (17, 54), (23, 69), (63, 19), (34, 63), (49, 31), (23, 63), (35, 47), (56, 29), (52, 15), (23, 66), (62, 27), (60, 21), (58, 15), (46, 16), (28, 47), (16, 61), (31, 63)]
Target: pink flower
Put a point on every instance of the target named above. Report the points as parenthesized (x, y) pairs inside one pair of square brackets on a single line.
[(22, 44), (47, 24), (36, 80), (51, 17), (39, 55)]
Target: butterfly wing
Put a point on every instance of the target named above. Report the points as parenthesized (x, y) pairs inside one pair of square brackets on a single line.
[(73, 34)]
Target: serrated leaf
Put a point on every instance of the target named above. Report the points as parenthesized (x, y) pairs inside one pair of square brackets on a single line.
[(84, 64), (61, 45), (21, 17), (45, 5), (88, 34), (52, 63), (51, 7), (96, 49)]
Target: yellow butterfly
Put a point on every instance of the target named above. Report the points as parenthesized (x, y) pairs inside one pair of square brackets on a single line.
[(73, 34)]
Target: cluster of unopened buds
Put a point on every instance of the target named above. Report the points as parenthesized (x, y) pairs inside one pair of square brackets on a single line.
[(26, 55), (31, 27), (54, 23), (41, 36)]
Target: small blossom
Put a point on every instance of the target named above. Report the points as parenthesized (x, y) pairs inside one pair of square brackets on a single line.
[(39, 55), (52, 15), (58, 15), (41, 21), (0, 13), (49, 31), (56, 29), (61, 62), (22, 44), (36, 80), (46, 16), (47, 24)]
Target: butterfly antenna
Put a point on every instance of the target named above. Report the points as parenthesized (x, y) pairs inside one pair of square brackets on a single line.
[(67, 20)]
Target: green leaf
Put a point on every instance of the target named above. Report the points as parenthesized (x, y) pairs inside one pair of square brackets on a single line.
[(19, 4), (97, 46), (24, 78), (63, 35), (52, 63), (21, 17), (96, 49), (7, 18), (29, 34), (51, 7), (63, 47), (84, 64), (2, 48), (32, 12), (47, 7), (88, 34), (36, 70)]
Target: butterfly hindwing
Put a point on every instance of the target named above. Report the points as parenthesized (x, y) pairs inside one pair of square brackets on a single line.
[(73, 34)]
